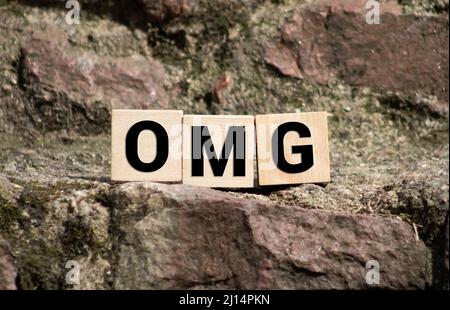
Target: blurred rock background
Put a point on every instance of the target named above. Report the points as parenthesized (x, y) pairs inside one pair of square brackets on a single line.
[(385, 88)]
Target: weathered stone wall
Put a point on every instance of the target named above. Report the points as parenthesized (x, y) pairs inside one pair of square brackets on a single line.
[(384, 86)]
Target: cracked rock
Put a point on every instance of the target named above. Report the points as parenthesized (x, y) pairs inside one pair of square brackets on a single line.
[(176, 236)]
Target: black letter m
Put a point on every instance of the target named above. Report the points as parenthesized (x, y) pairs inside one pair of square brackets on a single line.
[(235, 139)]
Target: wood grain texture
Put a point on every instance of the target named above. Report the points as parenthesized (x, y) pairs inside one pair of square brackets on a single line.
[(171, 121), (218, 127), (268, 172)]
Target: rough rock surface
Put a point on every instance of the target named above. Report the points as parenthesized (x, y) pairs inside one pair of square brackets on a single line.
[(160, 11), (388, 130), (446, 256), (8, 271), (50, 224), (183, 237), (141, 12), (69, 87), (331, 42)]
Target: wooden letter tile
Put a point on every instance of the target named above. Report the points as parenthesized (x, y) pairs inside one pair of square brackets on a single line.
[(292, 148), (205, 151), (146, 145)]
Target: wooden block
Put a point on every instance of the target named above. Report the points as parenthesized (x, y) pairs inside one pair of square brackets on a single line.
[(303, 138), (137, 153), (201, 168)]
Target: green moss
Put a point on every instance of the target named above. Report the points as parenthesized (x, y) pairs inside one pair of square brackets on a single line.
[(9, 215), (203, 46), (4, 2), (37, 194), (425, 6), (40, 267), (35, 199), (41, 259), (103, 197), (78, 238)]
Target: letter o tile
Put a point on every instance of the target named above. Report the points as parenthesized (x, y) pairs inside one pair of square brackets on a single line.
[(137, 152)]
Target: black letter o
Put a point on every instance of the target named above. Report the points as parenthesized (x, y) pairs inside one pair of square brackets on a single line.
[(162, 146)]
